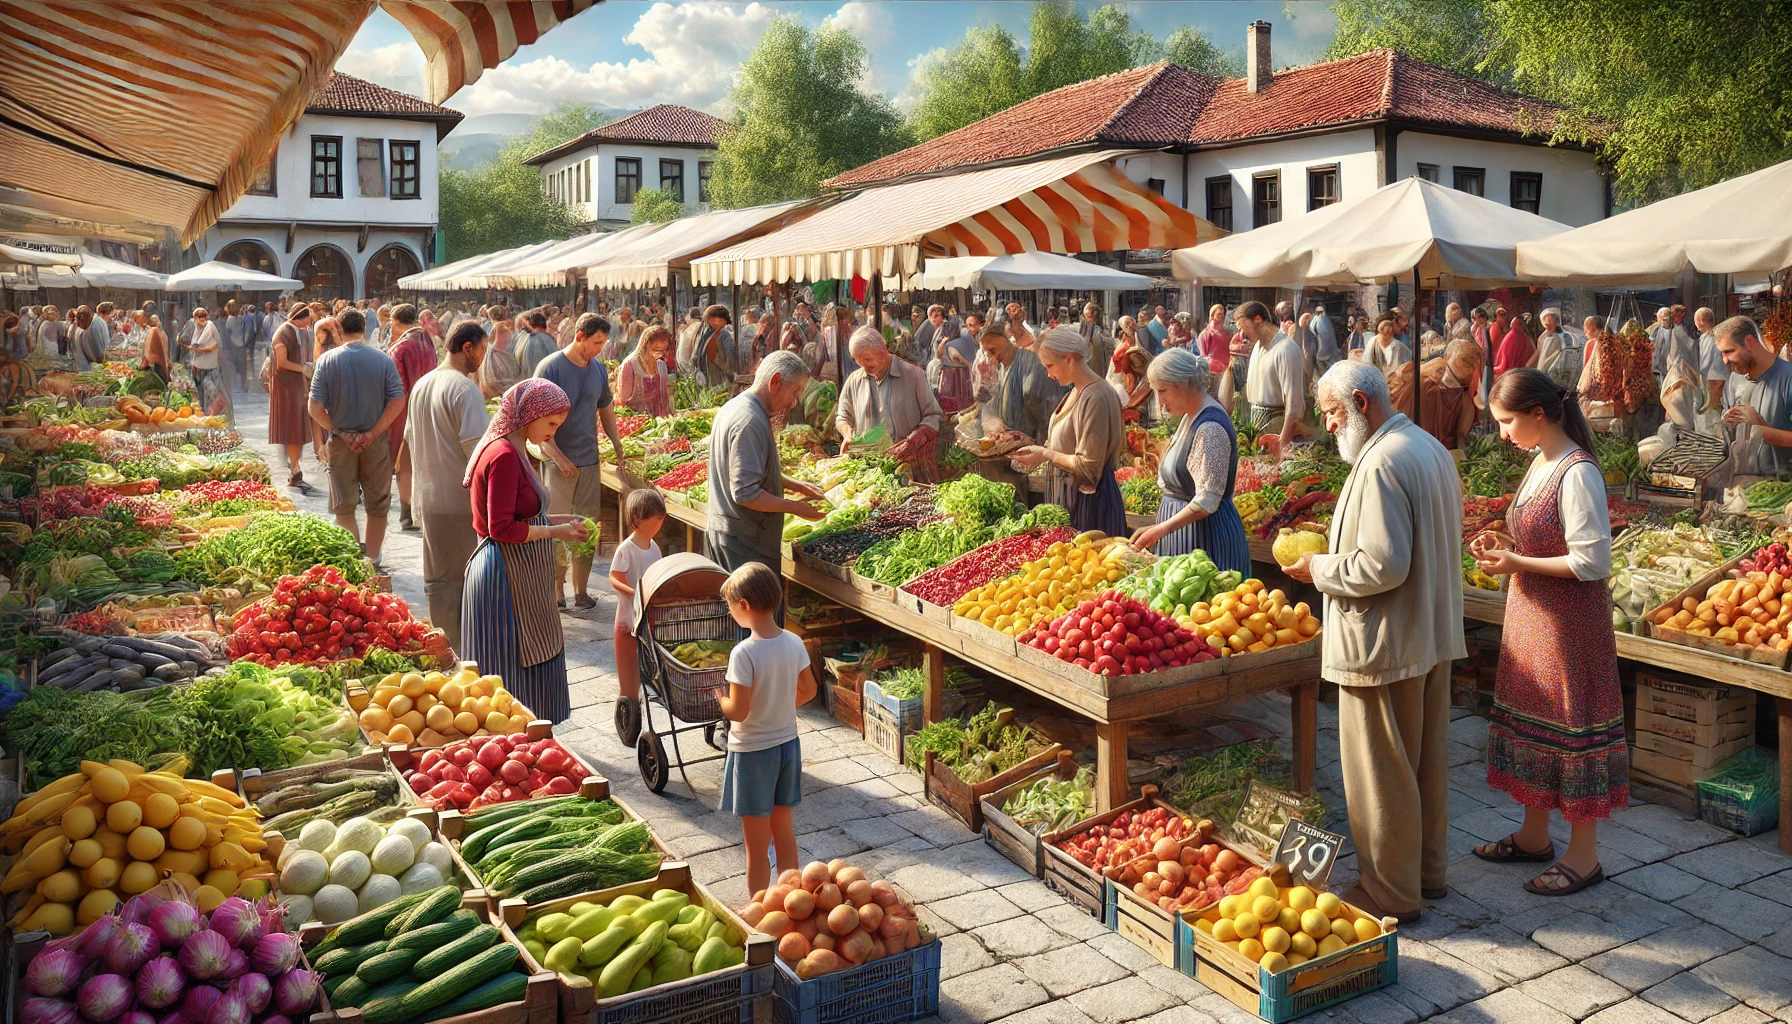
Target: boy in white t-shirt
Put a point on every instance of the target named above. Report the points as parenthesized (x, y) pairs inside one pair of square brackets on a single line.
[(768, 679), (645, 513)]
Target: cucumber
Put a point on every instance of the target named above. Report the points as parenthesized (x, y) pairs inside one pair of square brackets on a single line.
[(341, 983), (438, 960), (366, 927), (559, 888), (505, 988), (355, 992), (433, 936), (388, 966), (549, 870), (450, 985), (340, 962), (436, 904)]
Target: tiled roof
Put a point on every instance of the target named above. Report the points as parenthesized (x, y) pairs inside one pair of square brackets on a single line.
[(667, 124), (346, 94), (1149, 106)]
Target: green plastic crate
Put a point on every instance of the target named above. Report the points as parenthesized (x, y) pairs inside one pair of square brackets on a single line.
[(1743, 794)]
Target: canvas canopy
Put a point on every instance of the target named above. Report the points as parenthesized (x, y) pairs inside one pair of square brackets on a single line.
[(1742, 226), (551, 268), (101, 272), (455, 276), (1453, 239), (207, 276), (1025, 271), (494, 272), (40, 250), (647, 260)]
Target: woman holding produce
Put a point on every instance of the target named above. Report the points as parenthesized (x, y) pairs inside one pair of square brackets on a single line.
[(509, 623), (641, 382), (1557, 738), (1198, 472), (1085, 438)]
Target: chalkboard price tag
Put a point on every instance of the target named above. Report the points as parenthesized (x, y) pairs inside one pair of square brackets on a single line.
[(1309, 851)]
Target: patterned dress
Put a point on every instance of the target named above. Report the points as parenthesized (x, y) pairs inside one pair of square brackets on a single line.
[(1221, 534), (1557, 736)]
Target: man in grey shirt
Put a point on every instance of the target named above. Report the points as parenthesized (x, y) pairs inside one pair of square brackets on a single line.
[(356, 396), (1760, 393), (746, 484), (537, 346)]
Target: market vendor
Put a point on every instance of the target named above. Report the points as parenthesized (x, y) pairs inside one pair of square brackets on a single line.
[(1277, 385), (1447, 388), (746, 484), (1198, 471), (888, 392), (1085, 438), (1023, 394), (1760, 396)]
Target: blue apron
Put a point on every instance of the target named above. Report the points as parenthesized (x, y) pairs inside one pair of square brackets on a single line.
[(1221, 534)]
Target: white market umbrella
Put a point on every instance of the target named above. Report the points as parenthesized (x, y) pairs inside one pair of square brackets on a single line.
[(101, 272), (39, 250), (1025, 271), (207, 276), (1742, 226), (1452, 239)]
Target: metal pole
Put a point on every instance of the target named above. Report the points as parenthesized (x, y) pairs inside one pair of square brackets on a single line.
[(1417, 415)]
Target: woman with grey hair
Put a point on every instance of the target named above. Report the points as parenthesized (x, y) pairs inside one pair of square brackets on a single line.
[(1198, 471), (1086, 434)]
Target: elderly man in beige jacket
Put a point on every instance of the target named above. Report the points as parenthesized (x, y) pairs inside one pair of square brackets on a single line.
[(1393, 624), (885, 390)]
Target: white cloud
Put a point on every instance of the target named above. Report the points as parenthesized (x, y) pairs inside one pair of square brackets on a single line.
[(876, 28), (1313, 26), (395, 66)]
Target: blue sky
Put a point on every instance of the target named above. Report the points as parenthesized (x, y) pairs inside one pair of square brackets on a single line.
[(629, 54)]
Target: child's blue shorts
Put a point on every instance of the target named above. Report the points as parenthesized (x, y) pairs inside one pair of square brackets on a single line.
[(755, 781)]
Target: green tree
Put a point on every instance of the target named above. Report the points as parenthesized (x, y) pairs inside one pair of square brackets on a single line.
[(1194, 51), (1456, 34), (979, 77), (801, 117), (655, 206), (503, 205)]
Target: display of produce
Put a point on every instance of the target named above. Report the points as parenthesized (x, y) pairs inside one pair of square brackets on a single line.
[(897, 560), (1247, 620), (86, 663), (545, 850), (330, 873), (986, 745), (1052, 804), (1651, 565), (703, 653), (947, 583), (1114, 635), (273, 545), (1773, 558), (113, 830), (1280, 928), (319, 616), (829, 917), (631, 942), (433, 708), (1173, 585), (330, 795), (1052, 584), (468, 774), (1166, 859), (683, 476), (1141, 495), (1753, 610), (974, 501)]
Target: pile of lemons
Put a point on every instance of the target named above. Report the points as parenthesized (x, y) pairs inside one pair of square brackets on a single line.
[(1051, 584), (1279, 928)]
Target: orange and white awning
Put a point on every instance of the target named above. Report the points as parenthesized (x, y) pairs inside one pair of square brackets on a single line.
[(461, 38), (1069, 204)]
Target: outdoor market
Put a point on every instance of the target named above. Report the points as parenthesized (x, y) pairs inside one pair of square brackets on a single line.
[(961, 646)]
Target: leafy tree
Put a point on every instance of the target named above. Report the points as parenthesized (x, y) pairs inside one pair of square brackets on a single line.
[(503, 205), (1196, 52), (1455, 34), (801, 117), (655, 206), (981, 76)]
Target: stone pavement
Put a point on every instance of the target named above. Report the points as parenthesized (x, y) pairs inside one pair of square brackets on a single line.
[(1695, 924)]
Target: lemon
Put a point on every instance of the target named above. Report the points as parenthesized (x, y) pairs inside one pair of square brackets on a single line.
[(1289, 920), (1330, 944), (1274, 939), (1225, 931), (1295, 959), (1301, 898), (1247, 924), (1250, 949), (1266, 909), (1344, 930), (1229, 906), (1366, 929), (1273, 962), (1328, 904), (1313, 923), (1263, 886), (1302, 944), (1204, 925)]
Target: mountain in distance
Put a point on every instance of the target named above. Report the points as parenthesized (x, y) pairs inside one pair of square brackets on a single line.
[(477, 140)]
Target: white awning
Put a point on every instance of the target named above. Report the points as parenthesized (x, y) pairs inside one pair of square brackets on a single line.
[(492, 273), (1025, 271), (1453, 239), (647, 260), (227, 276), (101, 272), (548, 269), (40, 250), (1740, 226), (1076, 203), (453, 276)]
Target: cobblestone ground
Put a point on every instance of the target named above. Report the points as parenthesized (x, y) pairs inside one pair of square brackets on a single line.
[(1695, 924)]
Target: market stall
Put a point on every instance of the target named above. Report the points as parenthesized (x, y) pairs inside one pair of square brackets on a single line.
[(214, 276)]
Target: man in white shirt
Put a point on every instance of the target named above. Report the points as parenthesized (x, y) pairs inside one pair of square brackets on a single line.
[(1277, 386), (1711, 361), (445, 418), (204, 346)]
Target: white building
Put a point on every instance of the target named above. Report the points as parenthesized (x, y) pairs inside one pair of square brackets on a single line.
[(666, 147), (347, 202)]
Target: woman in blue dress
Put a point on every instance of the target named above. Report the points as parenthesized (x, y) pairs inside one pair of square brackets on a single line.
[(1198, 471)]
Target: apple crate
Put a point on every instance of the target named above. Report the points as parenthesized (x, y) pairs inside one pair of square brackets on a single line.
[(1014, 841), (732, 995), (964, 800), (1156, 930), (896, 988), (1069, 878), (1301, 989)]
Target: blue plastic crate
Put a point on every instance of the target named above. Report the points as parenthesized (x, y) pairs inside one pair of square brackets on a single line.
[(728, 999), (1299, 990), (906, 712), (896, 988)]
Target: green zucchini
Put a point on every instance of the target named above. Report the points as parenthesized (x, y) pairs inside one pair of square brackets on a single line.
[(341, 981), (549, 870), (505, 988), (444, 957), (559, 888), (432, 936), (437, 904), (450, 985), (366, 927), (388, 966), (339, 962)]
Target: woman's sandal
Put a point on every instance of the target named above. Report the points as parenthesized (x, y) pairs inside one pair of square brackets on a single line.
[(1507, 851), (1545, 884)]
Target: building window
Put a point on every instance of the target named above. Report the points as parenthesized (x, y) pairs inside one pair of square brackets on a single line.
[(264, 181), (1266, 199), (326, 166), (1219, 202), (1472, 180), (628, 178), (407, 173), (1322, 186), (672, 178), (1431, 172), (1155, 185), (704, 169), (587, 176), (1527, 192), (370, 166)]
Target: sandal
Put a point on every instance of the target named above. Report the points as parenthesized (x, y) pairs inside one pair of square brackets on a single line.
[(584, 602), (1558, 870), (1508, 851)]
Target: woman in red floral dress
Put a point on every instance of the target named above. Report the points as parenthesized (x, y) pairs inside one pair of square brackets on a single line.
[(1557, 736)]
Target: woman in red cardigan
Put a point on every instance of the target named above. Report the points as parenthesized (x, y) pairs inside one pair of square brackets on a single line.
[(510, 625)]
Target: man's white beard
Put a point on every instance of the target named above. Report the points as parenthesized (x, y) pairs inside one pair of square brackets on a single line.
[(1353, 435)]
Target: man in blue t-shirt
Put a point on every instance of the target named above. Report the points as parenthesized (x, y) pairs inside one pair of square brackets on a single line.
[(576, 488)]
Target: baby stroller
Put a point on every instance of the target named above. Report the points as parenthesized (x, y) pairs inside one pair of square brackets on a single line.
[(679, 601)]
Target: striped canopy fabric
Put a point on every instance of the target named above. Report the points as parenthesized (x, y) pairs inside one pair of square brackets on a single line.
[(1068, 204), (461, 38)]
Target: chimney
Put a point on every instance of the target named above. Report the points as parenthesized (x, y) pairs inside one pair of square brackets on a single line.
[(1257, 73)]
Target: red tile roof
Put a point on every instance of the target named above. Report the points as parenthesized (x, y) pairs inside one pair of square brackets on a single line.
[(346, 94), (667, 124)]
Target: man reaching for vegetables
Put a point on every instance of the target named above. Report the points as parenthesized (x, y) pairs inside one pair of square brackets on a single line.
[(889, 393)]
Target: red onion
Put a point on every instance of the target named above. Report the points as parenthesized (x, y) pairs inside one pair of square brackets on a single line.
[(235, 965), (54, 972), (38, 1010), (175, 1017), (92, 942), (137, 909), (236, 920), (231, 1008), (274, 955), (205, 955), (273, 915), (130, 948), (104, 997), (136, 1017), (255, 989), (174, 922), (160, 983), (295, 992), (198, 1001)]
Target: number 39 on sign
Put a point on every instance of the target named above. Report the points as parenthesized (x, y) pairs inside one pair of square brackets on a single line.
[(1309, 852)]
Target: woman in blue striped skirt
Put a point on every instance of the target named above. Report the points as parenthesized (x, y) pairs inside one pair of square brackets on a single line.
[(1198, 472)]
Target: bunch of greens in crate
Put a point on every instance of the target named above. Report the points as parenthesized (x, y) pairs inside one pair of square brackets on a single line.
[(977, 750), (540, 850), (899, 559), (975, 501), (332, 795), (1053, 804), (1213, 785), (903, 684)]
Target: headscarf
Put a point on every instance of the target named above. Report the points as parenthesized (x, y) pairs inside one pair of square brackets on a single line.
[(1066, 341), (527, 401)]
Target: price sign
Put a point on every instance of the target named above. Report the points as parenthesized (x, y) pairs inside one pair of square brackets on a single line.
[(1309, 851)]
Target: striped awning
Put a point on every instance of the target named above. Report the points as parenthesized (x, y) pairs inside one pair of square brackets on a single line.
[(1068, 204), (648, 260), (461, 38)]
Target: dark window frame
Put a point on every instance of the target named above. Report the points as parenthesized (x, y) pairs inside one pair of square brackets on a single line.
[(1534, 204), (398, 180), (1462, 175), (1266, 209), (1218, 212), (628, 169), (705, 169), (1315, 175), (1436, 175), (1155, 185), (326, 167), (586, 164), (676, 186), (272, 167)]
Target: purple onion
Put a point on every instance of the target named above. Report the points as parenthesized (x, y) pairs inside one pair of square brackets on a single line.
[(55, 972), (104, 997), (174, 1017), (236, 920), (131, 947), (205, 955), (198, 1001), (273, 915), (136, 1017), (275, 954), (39, 1010), (235, 965), (231, 1008), (255, 989), (137, 909), (295, 992), (174, 922), (160, 983), (91, 943), (276, 1019)]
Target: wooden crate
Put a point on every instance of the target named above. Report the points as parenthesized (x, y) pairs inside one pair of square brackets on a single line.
[(1118, 685), (1734, 725), (1154, 929), (1301, 989), (740, 995), (871, 588), (964, 800), (1673, 695), (1067, 876), (828, 569), (1693, 754), (884, 731), (253, 782), (1696, 590), (1016, 842), (977, 632), (847, 707)]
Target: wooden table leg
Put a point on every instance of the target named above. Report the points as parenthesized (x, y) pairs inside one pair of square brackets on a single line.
[(690, 538), (1111, 788), (1304, 710), (1785, 708), (933, 663)]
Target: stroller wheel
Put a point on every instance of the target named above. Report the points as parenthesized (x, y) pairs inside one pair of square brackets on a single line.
[(651, 754), (628, 720), (716, 735)]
